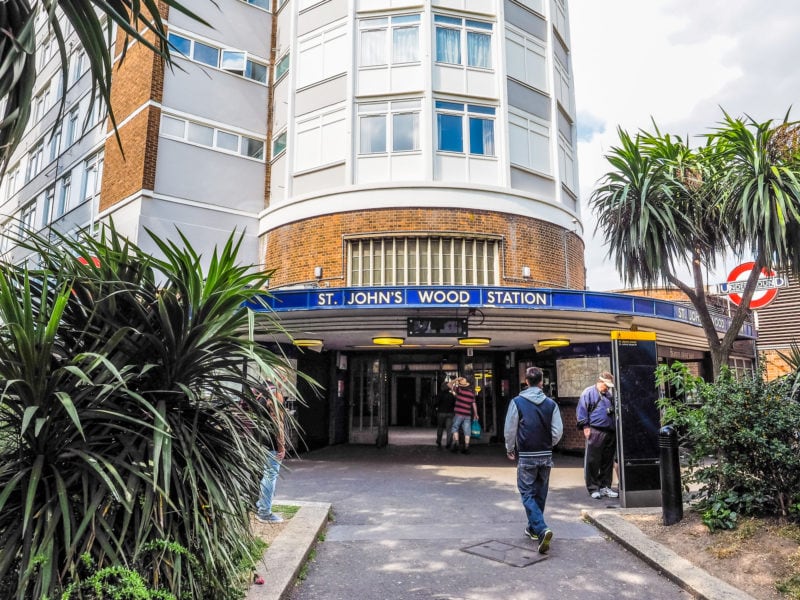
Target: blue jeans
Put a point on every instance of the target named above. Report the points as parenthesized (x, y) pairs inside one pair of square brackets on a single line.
[(533, 479), (268, 481), (464, 423)]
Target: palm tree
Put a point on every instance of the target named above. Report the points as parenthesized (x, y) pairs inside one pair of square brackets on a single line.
[(140, 20), (665, 205), (129, 432)]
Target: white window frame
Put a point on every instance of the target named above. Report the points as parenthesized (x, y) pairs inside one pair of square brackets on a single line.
[(92, 177), (64, 193), (317, 134), (12, 178), (245, 141), (387, 26), (321, 55), (48, 200), (567, 167), (35, 161), (562, 84), (466, 112), (389, 110), (27, 218), (467, 26), (247, 59)]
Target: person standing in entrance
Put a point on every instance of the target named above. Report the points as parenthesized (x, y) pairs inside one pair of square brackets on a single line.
[(595, 414), (275, 455), (445, 401), (533, 426), (464, 411)]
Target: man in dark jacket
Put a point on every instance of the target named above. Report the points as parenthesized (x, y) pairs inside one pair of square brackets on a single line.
[(533, 426), (595, 414)]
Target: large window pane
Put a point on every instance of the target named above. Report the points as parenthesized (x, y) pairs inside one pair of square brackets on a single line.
[(450, 136), (405, 132), (373, 134), (373, 47), (180, 43), (173, 127), (256, 71), (405, 44), (233, 61), (228, 141), (252, 148), (479, 50), (448, 45), (200, 134), (481, 136), (207, 55)]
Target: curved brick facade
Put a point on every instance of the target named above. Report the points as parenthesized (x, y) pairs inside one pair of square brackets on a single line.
[(294, 250)]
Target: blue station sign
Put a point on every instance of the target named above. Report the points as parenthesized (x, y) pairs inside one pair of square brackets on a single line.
[(485, 297)]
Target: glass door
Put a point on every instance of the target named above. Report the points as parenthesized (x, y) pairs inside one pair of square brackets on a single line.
[(367, 394)]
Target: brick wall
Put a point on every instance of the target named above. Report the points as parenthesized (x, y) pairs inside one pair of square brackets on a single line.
[(295, 249), (136, 82), (774, 365), (573, 439)]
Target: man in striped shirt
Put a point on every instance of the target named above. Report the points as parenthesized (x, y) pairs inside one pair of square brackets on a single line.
[(464, 411), (533, 426)]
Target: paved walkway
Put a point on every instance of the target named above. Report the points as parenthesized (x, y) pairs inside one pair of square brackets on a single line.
[(403, 513)]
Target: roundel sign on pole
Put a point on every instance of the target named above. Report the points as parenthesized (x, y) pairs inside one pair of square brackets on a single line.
[(766, 288)]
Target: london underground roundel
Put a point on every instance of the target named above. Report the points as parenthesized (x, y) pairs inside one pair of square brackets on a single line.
[(762, 296)]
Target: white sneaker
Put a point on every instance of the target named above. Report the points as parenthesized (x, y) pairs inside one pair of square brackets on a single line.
[(609, 493), (597, 495)]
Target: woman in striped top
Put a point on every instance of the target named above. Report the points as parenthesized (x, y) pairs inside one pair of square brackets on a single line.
[(465, 410)]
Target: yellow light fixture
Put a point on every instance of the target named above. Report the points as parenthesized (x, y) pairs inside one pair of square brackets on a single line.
[(307, 342), (554, 343), (474, 341), (387, 340)]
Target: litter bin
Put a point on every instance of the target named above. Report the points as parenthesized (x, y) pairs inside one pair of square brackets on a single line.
[(671, 492)]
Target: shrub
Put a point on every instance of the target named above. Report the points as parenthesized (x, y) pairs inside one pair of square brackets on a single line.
[(122, 390), (752, 428)]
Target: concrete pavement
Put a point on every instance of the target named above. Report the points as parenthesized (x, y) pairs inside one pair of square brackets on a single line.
[(402, 516)]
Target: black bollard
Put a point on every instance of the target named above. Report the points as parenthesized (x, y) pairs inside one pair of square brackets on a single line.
[(671, 492)]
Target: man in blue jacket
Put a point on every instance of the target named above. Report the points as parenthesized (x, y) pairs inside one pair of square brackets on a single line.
[(595, 414), (533, 427)]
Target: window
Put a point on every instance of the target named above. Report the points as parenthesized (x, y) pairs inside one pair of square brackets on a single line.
[(12, 179), (63, 196), (526, 60), (26, 219), (79, 64), (387, 40), (566, 163), (232, 61), (205, 135), (322, 55), (260, 3), (536, 5), (319, 140), (457, 38), (389, 126), (559, 16), (55, 143), (422, 261), (452, 133), (72, 127), (282, 67), (46, 50), (97, 112), (47, 205), (563, 92), (92, 176), (40, 104), (529, 141), (279, 144), (35, 161)]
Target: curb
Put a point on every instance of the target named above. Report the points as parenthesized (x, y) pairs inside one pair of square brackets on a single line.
[(284, 558), (694, 580)]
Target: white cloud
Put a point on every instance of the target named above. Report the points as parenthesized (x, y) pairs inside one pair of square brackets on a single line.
[(677, 62)]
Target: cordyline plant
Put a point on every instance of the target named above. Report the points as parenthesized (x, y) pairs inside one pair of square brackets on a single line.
[(123, 394)]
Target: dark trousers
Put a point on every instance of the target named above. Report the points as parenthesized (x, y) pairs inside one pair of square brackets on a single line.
[(444, 421), (598, 463), (533, 479)]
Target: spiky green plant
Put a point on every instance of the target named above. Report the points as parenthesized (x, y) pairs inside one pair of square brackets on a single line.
[(123, 392)]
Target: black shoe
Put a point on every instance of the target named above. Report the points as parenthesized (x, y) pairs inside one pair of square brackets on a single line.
[(439, 445), (530, 534), (465, 451), (544, 541)]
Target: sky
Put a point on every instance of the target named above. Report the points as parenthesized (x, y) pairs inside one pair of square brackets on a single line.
[(678, 62)]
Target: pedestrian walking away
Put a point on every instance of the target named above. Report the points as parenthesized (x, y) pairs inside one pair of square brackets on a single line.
[(464, 410), (533, 426), (595, 415), (445, 402)]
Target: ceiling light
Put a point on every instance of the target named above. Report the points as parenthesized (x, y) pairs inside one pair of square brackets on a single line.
[(307, 342), (554, 343), (386, 340), (474, 341)]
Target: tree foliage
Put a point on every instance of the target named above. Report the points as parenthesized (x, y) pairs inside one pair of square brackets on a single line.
[(666, 206), (130, 433)]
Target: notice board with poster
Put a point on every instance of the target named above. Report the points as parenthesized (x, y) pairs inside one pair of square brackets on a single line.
[(576, 374)]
